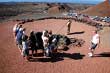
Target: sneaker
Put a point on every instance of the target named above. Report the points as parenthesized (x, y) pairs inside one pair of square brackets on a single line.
[(90, 54), (90, 48)]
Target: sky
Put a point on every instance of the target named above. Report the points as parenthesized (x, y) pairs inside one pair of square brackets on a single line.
[(61, 1)]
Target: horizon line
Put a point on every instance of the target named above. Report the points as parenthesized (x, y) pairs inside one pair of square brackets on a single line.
[(85, 2)]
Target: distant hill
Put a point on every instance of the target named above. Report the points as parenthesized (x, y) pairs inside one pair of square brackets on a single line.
[(58, 8), (25, 9), (102, 9)]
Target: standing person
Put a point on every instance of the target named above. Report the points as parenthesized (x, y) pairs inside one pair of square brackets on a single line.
[(16, 29), (45, 39), (25, 50), (32, 42), (19, 38), (68, 26), (94, 43)]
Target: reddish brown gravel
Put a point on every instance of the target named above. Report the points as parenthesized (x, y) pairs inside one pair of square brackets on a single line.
[(75, 60)]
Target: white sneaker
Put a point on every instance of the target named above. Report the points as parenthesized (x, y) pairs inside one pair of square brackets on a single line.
[(90, 54)]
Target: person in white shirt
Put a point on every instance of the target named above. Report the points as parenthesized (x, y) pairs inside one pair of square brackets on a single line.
[(94, 42), (45, 38)]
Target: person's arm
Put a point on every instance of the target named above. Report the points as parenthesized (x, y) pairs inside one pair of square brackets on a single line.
[(99, 41)]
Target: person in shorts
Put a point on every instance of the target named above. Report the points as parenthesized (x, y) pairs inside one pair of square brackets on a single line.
[(94, 43)]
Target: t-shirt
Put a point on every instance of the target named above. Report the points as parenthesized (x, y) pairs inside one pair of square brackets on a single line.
[(95, 39), (45, 41)]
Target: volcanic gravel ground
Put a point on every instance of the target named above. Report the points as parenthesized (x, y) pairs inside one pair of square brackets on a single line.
[(74, 60)]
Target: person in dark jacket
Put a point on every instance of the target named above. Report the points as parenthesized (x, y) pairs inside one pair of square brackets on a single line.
[(32, 42)]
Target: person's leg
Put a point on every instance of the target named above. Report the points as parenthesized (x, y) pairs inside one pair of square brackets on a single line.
[(43, 51), (93, 49), (27, 54), (15, 40), (68, 30), (35, 48), (35, 51), (50, 48), (92, 52), (20, 47), (32, 52), (47, 51), (23, 53)]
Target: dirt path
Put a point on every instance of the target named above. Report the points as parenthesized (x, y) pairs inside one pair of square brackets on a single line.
[(75, 60)]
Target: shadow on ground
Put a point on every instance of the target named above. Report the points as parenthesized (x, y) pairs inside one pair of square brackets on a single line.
[(104, 54), (58, 57), (82, 32)]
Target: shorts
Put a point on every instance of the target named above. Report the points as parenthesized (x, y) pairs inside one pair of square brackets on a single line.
[(93, 46)]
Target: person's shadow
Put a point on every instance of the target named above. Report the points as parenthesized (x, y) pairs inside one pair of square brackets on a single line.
[(82, 32), (104, 54), (58, 57)]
